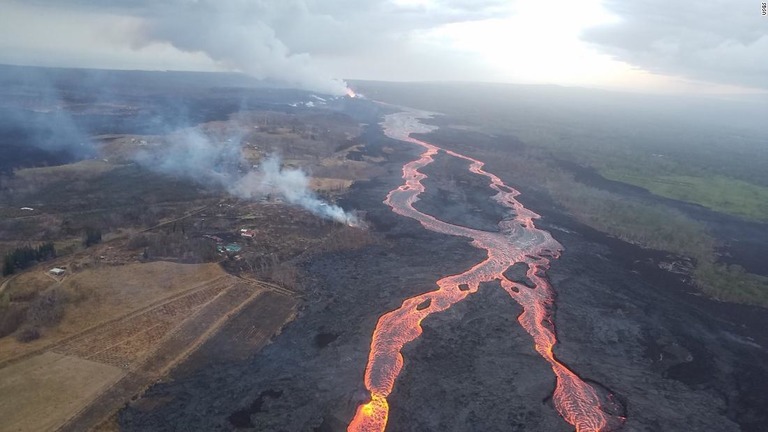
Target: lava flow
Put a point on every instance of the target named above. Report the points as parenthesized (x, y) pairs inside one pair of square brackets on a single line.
[(519, 241)]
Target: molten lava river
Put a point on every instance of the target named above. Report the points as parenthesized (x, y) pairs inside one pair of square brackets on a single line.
[(518, 241)]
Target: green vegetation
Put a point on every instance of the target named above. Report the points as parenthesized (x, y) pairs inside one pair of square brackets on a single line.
[(731, 283), (650, 226), (661, 228), (722, 194), (91, 236), (25, 256), (662, 145)]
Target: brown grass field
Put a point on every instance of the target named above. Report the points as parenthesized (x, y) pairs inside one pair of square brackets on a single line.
[(122, 317), (102, 294), (40, 393), (133, 325)]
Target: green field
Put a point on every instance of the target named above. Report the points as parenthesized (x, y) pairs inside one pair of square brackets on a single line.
[(661, 145), (721, 194), (732, 283)]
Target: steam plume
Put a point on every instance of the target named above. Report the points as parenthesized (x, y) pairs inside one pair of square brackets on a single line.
[(192, 155), (291, 184), (238, 35)]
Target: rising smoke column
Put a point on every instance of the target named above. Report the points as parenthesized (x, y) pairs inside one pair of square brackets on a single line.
[(291, 184), (192, 155), (238, 35)]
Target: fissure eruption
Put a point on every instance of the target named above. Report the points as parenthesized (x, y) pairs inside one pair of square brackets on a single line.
[(518, 241)]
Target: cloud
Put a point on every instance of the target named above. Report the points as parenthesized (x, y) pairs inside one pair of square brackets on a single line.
[(282, 40), (716, 40), (311, 44)]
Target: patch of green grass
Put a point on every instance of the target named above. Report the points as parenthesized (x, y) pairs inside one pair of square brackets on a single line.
[(637, 145), (662, 228), (732, 283), (722, 194)]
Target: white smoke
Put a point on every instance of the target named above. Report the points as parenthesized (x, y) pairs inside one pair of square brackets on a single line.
[(238, 35), (291, 184), (192, 155)]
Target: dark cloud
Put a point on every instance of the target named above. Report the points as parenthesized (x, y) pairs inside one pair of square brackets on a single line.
[(722, 41)]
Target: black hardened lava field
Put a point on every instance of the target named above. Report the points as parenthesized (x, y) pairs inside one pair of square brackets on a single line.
[(275, 249), (631, 347)]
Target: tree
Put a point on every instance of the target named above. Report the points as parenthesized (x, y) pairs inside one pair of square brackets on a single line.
[(91, 237), (24, 256), (9, 266), (46, 251)]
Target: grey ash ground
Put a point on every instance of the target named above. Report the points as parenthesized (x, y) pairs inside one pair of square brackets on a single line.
[(674, 361)]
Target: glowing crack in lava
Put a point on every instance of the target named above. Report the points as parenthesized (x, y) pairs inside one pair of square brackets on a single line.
[(519, 241)]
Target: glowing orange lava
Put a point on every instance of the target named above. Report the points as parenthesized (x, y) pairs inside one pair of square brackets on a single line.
[(519, 241), (351, 93)]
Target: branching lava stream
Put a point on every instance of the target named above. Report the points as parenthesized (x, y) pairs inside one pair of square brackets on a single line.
[(519, 241)]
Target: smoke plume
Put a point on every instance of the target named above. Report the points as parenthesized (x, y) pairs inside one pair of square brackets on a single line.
[(291, 184), (238, 35), (193, 155)]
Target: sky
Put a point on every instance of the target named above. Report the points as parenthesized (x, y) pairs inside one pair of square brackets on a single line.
[(660, 46)]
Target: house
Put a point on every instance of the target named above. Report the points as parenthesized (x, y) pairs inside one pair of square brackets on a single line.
[(56, 271), (247, 233)]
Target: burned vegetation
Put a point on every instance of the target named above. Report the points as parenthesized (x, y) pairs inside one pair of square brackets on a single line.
[(126, 258)]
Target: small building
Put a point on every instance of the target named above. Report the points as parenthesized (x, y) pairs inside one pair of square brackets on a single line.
[(247, 233), (56, 271)]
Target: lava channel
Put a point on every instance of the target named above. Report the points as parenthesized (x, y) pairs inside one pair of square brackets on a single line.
[(519, 241)]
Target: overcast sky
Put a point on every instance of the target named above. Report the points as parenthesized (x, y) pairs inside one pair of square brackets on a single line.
[(639, 45)]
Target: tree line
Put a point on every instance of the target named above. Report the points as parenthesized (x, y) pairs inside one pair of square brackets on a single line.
[(25, 256)]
